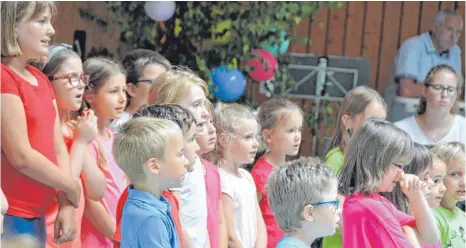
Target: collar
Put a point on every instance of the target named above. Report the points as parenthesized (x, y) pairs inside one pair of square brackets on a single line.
[(427, 38), (161, 204)]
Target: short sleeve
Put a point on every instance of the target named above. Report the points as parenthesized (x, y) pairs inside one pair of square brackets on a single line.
[(402, 218), (407, 63), (248, 176), (9, 84), (225, 185), (146, 236), (260, 176), (443, 226), (119, 214), (386, 233)]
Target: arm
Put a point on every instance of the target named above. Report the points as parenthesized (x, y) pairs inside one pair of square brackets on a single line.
[(409, 88), (411, 236), (22, 157), (207, 241), (233, 240), (188, 243), (261, 241), (93, 178), (96, 213), (4, 203), (223, 242)]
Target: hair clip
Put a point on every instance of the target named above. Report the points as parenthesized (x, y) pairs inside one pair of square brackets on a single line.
[(56, 48)]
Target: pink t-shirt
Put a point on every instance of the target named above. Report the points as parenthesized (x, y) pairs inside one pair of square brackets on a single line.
[(116, 183), (373, 221), (260, 173), (213, 195)]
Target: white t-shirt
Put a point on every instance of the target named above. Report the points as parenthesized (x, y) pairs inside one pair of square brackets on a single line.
[(117, 123), (457, 132), (242, 191), (193, 208)]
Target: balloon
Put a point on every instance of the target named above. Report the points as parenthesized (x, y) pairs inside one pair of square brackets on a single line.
[(160, 10), (276, 46), (228, 84), (221, 32), (263, 66)]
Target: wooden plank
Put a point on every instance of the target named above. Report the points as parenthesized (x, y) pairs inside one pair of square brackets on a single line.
[(354, 29), (372, 29), (318, 32), (447, 5), (335, 42), (429, 9), (391, 27), (302, 30), (410, 20)]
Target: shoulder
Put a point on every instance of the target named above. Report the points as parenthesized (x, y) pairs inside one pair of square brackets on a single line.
[(456, 50), (460, 120), (406, 123), (415, 41), (261, 167), (364, 205)]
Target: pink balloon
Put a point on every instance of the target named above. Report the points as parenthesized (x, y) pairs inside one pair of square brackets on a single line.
[(263, 65)]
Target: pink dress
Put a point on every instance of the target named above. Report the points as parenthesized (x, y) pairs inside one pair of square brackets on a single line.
[(214, 194), (116, 183)]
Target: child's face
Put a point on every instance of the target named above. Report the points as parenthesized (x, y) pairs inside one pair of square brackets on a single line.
[(69, 97), (285, 138), (326, 216), (139, 91), (110, 100), (372, 110), (436, 186), (392, 176), (208, 138), (191, 148), (173, 166), (194, 101), (454, 182), (244, 146), (34, 36)]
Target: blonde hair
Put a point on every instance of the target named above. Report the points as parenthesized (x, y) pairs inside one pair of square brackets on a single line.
[(227, 119), (140, 139), (14, 12), (301, 182), (174, 84), (450, 152)]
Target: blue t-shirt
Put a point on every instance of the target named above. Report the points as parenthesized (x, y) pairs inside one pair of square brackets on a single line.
[(147, 222), (289, 242)]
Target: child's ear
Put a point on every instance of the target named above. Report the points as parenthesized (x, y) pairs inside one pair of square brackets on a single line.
[(267, 134), (153, 165), (89, 97), (131, 89), (346, 121), (223, 140), (308, 213)]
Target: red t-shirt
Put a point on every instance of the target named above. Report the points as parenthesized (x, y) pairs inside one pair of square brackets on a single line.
[(28, 198), (260, 173), (175, 212), (373, 221), (213, 194)]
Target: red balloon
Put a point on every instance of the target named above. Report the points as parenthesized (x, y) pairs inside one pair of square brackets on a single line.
[(263, 65)]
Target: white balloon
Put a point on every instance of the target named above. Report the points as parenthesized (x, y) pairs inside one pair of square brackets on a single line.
[(160, 10)]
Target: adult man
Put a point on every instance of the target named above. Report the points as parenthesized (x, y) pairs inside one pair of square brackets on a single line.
[(417, 55)]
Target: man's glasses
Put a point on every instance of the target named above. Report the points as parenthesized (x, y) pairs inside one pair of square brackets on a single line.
[(439, 89), (335, 204), (147, 81), (73, 79)]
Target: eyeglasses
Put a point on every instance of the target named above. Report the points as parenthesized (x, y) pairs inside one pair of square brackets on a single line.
[(148, 81), (439, 89), (335, 204), (73, 79)]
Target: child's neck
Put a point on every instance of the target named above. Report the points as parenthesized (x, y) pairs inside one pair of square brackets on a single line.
[(102, 126), (307, 238), (62, 115), (275, 159), (17, 63), (154, 190), (229, 166), (448, 204)]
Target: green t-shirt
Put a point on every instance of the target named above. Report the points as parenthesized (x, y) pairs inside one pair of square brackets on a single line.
[(452, 226), (334, 159)]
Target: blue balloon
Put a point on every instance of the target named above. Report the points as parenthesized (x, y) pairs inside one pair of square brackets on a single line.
[(228, 84), (276, 46)]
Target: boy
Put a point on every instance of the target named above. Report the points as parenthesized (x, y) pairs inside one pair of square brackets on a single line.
[(303, 198), (150, 152), (185, 121)]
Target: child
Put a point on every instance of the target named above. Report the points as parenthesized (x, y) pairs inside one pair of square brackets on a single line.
[(106, 95), (281, 122), (143, 67), (374, 162), (150, 152), (35, 162), (181, 86), (303, 198), (450, 219), (237, 129), (215, 218), (360, 104), (65, 71), (185, 121)]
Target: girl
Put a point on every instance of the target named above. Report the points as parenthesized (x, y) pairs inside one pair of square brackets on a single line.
[(143, 67), (237, 128), (450, 219), (35, 162), (436, 121), (281, 122), (181, 86), (106, 95), (360, 104), (64, 69), (374, 162)]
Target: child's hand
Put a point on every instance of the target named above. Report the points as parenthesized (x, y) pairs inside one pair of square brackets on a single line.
[(411, 185), (65, 226), (86, 126)]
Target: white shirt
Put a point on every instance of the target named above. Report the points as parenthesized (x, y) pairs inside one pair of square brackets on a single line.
[(117, 123), (457, 132), (193, 208), (242, 191)]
